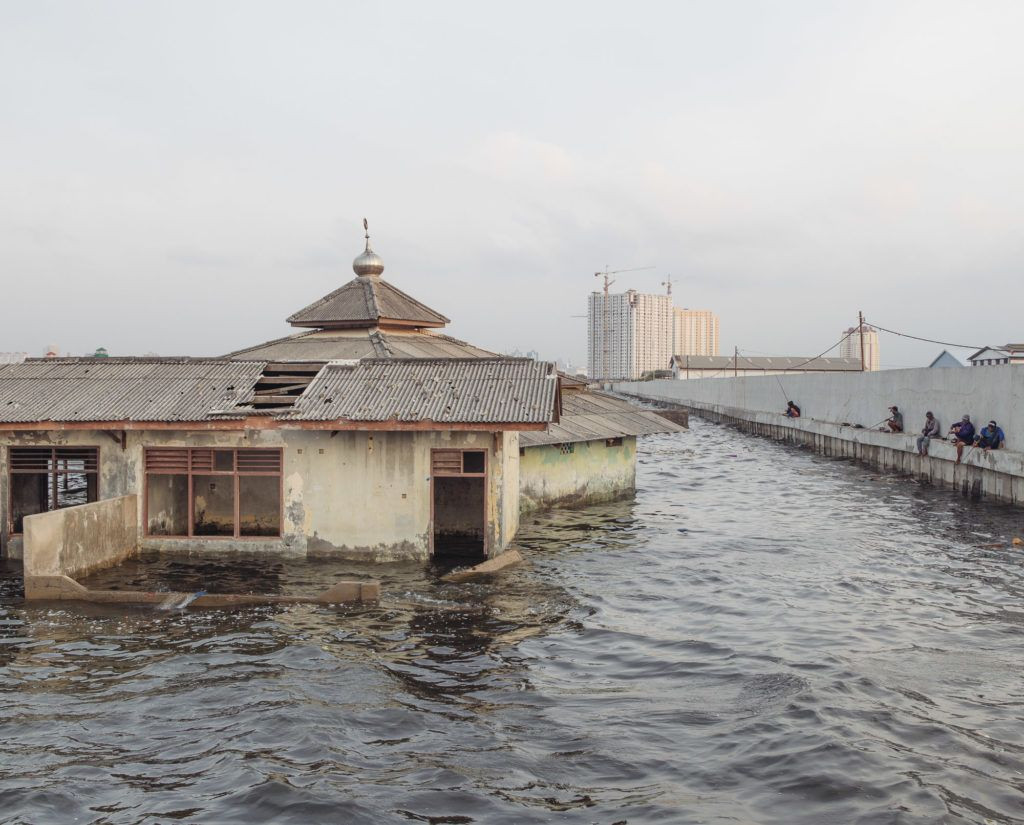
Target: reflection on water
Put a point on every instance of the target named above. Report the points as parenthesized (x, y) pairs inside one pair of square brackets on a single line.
[(763, 635)]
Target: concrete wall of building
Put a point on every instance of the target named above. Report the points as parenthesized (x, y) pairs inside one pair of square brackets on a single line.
[(360, 495), (591, 474), (833, 403), (79, 540)]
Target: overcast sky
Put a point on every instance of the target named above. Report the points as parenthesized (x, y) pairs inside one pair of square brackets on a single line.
[(178, 177)]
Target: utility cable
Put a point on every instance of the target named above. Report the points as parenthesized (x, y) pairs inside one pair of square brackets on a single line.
[(919, 338)]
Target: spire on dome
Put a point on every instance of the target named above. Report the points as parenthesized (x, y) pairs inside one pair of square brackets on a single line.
[(369, 264)]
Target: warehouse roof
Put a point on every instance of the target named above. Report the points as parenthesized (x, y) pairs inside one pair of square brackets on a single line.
[(593, 416), (478, 390), (124, 389), (746, 362)]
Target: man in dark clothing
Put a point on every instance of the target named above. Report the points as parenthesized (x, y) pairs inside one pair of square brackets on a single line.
[(962, 433), (792, 410), (991, 437), (895, 422), (929, 431)]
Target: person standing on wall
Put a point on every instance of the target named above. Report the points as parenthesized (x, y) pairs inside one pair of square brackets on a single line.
[(929, 431)]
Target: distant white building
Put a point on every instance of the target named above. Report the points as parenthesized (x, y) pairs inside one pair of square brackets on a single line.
[(993, 356), (850, 348), (729, 366), (12, 357), (629, 336), (695, 332)]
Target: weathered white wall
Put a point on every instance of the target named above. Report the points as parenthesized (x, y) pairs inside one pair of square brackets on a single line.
[(864, 397), (363, 495), (591, 474), (79, 540)]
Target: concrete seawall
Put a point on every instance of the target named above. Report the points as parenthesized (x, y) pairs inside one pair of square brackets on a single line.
[(752, 404)]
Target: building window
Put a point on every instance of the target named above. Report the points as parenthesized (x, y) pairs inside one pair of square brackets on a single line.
[(567, 449), (50, 478), (613, 442), (213, 493)]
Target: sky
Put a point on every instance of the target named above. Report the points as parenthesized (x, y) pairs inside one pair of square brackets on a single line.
[(179, 177)]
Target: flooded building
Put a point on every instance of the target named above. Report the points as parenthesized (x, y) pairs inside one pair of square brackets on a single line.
[(367, 434)]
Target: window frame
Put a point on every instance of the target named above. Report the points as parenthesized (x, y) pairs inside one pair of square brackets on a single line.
[(191, 471), (52, 485)]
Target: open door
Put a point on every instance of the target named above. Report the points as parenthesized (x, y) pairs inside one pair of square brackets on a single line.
[(458, 491)]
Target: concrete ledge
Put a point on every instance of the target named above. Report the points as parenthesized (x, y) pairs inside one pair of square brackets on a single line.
[(64, 588)]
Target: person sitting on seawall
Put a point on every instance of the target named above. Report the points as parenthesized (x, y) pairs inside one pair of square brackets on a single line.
[(929, 431), (895, 422), (792, 410), (961, 433), (991, 437)]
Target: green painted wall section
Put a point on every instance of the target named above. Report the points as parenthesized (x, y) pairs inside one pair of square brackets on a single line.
[(591, 473)]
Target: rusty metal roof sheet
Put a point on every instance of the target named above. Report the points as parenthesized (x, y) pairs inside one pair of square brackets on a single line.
[(364, 301), (346, 344), (123, 389), (479, 390), (593, 416)]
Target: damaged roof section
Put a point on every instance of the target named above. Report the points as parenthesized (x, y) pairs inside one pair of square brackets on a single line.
[(124, 389), (478, 391), (594, 416)]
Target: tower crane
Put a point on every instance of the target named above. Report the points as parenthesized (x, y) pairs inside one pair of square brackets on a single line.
[(608, 281)]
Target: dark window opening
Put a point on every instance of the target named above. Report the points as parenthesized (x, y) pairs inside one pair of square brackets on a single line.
[(567, 449), (213, 493), (473, 461), (613, 442), (50, 478)]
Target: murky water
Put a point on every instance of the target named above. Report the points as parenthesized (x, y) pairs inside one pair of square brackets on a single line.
[(763, 636)]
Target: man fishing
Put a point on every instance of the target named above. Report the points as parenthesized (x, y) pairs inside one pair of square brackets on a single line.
[(792, 410), (929, 431), (895, 422), (991, 437), (962, 433)]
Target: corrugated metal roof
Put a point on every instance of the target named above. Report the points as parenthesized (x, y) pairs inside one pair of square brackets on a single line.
[(492, 390), (727, 362), (364, 301), (593, 416), (123, 389), (338, 345)]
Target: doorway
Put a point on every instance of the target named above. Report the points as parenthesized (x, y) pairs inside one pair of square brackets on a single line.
[(458, 504)]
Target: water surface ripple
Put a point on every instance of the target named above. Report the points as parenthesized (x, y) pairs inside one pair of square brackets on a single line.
[(762, 636)]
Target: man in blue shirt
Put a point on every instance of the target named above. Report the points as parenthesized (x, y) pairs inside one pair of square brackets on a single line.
[(991, 437)]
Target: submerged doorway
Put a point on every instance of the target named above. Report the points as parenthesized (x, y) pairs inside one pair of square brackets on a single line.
[(458, 503)]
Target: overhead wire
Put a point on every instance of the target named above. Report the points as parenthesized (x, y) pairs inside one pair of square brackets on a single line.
[(919, 338)]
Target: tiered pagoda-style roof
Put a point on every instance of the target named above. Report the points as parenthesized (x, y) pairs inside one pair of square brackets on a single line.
[(365, 318)]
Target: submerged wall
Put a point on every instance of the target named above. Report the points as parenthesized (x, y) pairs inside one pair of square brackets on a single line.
[(592, 473), (360, 495), (80, 540), (997, 392)]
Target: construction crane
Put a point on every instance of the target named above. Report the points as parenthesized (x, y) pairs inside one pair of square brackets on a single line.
[(667, 283), (608, 281)]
